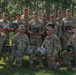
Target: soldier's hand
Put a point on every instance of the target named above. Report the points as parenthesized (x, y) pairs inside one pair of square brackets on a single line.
[(62, 37), (31, 33), (39, 33), (52, 58), (69, 31)]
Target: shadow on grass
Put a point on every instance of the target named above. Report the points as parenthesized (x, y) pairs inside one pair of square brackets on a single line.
[(25, 70)]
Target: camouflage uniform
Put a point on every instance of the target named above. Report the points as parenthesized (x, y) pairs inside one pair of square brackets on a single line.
[(72, 41), (59, 20), (2, 42), (45, 21), (69, 56), (20, 43), (5, 25), (26, 19), (52, 46), (35, 39), (67, 23)]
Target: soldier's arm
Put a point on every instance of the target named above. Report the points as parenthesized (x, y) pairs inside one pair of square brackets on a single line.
[(56, 46), (27, 40), (69, 42), (29, 28)]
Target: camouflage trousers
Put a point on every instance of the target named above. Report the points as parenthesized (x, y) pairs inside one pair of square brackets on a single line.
[(52, 64), (74, 58), (36, 57), (16, 57)]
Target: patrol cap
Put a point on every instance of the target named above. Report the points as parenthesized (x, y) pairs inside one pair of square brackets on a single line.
[(5, 14), (49, 28), (44, 14), (35, 13), (26, 8), (68, 10), (18, 14), (21, 27), (59, 11), (52, 16)]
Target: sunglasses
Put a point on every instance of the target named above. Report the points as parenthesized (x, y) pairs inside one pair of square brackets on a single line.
[(74, 27)]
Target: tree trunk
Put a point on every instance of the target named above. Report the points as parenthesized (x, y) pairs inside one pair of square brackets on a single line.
[(48, 9)]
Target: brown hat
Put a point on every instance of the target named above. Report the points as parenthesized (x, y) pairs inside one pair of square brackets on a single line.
[(52, 16), (44, 14), (25, 8), (18, 14), (35, 13), (59, 11), (5, 14), (68, 10)]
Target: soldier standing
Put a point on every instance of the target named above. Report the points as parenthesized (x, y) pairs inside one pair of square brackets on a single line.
[(66, 25), (2, 40), (25, 17), (55, 26), (20, 42), (18, 21), (6, 28), (44, 20), (59, 16), (36, 30), (52, 45)]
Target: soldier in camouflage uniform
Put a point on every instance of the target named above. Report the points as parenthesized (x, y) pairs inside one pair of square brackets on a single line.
[(25, 17), (20, 42), (36, 30), (2, 40), (19, 21), (6, 28), (45, 21), (55, 26), (59, 16), (66, 26), (68, 56), (52, 45)]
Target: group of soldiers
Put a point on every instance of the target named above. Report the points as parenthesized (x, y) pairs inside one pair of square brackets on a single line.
[(57, 36)]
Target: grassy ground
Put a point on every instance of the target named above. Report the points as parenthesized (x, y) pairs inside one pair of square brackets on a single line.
[(24, 70)]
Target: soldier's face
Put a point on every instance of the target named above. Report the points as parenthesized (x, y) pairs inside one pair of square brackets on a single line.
[(21, 30), (35, 16), (5, 17), (52, 19), (68, 14), (25, 12), (59, 14), (43, 17), (49, 32), (18, 16)]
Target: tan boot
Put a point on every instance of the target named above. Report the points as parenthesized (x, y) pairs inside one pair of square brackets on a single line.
[(9, 67), (30, 65), (41, 65)]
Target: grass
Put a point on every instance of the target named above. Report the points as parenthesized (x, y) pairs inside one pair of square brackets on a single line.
[(24, 70)]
